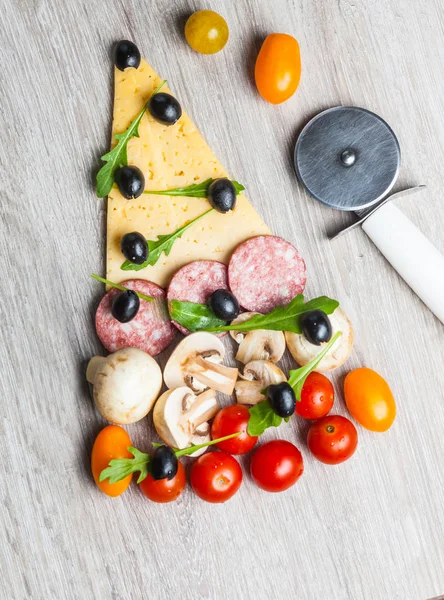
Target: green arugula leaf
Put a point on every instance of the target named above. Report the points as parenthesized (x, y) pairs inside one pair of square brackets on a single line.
[(193, 448), (298, 376), (118, 156), (196, 190), (120, 468), (262, 416), (164, 243), (121, 287), (282, 318), (194, 317)]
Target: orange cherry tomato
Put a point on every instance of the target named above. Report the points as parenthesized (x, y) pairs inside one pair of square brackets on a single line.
[(278, 68), (369, 399), (112, 442), (164, 490)]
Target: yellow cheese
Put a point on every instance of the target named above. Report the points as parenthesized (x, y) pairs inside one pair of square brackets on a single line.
[(169, 157)]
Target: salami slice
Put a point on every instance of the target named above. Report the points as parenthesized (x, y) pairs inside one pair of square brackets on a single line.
[(264, 272), (151, 329), (196, 282)]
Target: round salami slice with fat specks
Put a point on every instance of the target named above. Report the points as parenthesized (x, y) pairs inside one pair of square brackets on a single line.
[(196, 282), (151, 329), (265, 272)]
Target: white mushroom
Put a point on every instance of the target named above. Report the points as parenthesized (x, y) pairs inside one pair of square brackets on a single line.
[(126, 384), (181, 418), (304, 351), (196, 363), (258, 375), (261, 344)]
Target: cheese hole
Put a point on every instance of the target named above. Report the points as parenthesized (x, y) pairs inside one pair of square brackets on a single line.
[(178, 174), (137, 89)]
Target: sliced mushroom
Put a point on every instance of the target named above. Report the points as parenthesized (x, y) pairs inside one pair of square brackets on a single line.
[(303, 351), (258, 375), (126, 384), (196, 363), (201, 436), (181, 418), (261, 344)]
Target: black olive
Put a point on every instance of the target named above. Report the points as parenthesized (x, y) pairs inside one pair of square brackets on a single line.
[(316, 327), (125, 306), (222, 195), (165, 108), (134, 247), (224, 305), (164, 463), (130, 181), (282, 399), (126, 54)]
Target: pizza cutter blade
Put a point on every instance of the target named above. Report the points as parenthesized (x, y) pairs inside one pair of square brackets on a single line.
[(348, 158)]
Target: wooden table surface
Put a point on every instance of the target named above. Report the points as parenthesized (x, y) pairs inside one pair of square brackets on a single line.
[(370, 529)]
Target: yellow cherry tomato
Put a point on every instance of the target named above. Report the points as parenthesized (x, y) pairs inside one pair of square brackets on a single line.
[(278, 68), (206, 32), (369, 399), (112, 442)]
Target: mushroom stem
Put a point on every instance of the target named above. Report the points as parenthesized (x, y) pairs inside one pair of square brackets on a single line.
[(249, 392), (204, 408), (93, 366), (213, 375)]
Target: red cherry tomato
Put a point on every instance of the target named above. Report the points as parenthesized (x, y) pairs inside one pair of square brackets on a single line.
[(317, 397), (232, 419), (111, 443), (332, 439), (216, 477), (164, 490), (276, 466)]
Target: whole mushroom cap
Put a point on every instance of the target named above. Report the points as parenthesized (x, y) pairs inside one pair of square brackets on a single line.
[(126, 385), (304, 351)]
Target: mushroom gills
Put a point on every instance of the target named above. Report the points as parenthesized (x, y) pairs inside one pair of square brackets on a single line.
[(211, 375), (257, 376), (197, 363), (179, 414), (259, 344)]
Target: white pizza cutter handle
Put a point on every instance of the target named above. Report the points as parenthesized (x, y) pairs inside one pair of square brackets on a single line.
[(415, 258)]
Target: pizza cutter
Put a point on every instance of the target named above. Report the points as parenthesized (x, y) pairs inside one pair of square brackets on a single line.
[(348, 158)]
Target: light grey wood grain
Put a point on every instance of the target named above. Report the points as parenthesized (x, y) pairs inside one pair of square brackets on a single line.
[(370, 529)]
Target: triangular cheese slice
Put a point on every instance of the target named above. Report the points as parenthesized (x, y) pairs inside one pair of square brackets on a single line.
[(169, 157)]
